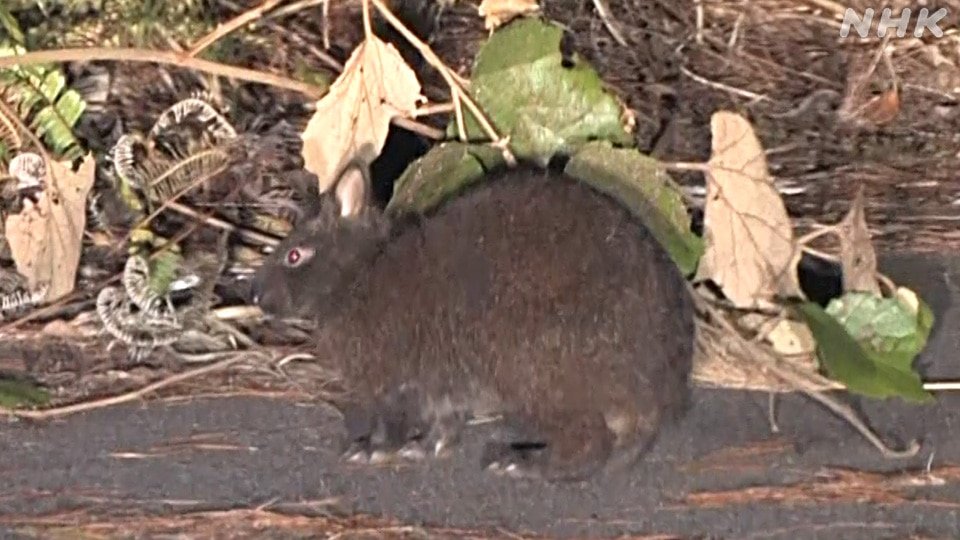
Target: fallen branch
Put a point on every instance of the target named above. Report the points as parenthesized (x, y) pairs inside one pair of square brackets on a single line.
[(122, 398)]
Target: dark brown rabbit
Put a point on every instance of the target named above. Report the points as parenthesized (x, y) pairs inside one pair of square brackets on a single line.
[(530, 295)]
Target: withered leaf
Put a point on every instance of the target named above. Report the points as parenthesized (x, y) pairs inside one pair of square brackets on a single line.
[(858, 260), (750, 250), (498, 12), (354, 116), (45, 239)]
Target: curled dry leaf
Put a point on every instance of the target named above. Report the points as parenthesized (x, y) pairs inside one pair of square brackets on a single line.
[(750, 250), (498, 12), (353, 118), (858, 260), (45, 239)]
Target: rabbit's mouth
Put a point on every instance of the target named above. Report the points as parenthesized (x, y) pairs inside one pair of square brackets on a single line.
[(294, 320)]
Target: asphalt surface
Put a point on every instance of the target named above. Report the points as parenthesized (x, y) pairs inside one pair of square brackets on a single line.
[(721, 473)]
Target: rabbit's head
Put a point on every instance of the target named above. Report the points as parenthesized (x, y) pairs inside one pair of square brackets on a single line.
[(338, 233)]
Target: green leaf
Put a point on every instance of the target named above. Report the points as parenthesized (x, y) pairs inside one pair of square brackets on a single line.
[(884, 326), (442, 172), (637, 182), (10, 25), (16, 393), (860, 370), (520, 82), (40, 95)]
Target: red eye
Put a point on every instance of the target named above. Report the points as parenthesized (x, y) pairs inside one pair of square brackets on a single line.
[(297, 255), (293, 257)]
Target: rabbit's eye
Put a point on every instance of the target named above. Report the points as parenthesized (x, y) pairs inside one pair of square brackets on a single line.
[(294, 256)]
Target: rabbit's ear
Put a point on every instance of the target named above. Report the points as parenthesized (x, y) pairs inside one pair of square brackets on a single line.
[(353, 188)]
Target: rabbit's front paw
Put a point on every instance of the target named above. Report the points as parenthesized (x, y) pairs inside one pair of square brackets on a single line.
[(386, 429)]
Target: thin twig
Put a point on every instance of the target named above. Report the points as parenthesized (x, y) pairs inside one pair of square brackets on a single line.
[(323, 56), (419, 128), (223, 29), (813, 235), (436, 108), (726, 88), (160, 57), (295, 7), (941, 386), (253, 236), (123, 398), (604, 11), (686, 166)]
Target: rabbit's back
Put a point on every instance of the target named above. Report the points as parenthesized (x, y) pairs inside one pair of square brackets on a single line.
[(531, 293)]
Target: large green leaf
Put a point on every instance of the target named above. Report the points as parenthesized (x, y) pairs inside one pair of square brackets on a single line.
[(520, 81), (638, 183), (884, 326), (443, 172), (859, 369)]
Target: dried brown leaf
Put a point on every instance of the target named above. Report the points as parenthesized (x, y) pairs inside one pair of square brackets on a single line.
[(881, 109), (498, 12), (45, 239), (750, 249), (858, 259), (354, 116)]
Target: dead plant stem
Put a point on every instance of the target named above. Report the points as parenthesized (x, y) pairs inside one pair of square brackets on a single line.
[(161, 57), (123, 398), (223, 29)]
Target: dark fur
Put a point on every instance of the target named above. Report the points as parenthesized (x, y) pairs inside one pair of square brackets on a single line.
[(532, 295)]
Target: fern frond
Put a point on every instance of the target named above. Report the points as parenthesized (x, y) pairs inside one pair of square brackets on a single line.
[(210, 119), (163, 178), (40, 95), (9, 135), (10, 25)]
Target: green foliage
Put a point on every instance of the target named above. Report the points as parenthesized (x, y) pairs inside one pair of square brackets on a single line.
[(16, 393), (163, 271), (624, 174), (886, 327), (9, 24), (546, 106), (116, 23), (442, 172), (638, 183), (41, 98), (544, 103), (860, 369)]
